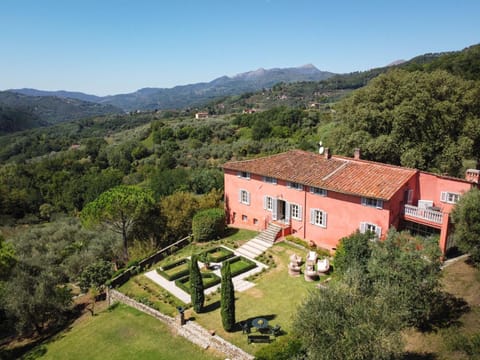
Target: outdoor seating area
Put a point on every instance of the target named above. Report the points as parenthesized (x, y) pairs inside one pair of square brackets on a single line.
[(314, 267), (262, 330), (294, 268)]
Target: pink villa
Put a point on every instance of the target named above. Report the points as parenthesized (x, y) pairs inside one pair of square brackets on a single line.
[(322, 198)]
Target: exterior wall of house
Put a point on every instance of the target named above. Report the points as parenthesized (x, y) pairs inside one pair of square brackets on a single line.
[(431, 186), (344, 213)]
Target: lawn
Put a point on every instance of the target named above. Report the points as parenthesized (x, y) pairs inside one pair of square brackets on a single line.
[(463, 281), (122, 333), (275, 297)]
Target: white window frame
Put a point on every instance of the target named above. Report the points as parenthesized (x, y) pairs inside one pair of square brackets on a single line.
[(244, 197), (296, 211), (243, 175), (372, 202), (318, 217), (449, 197), (270, 180), (318, 191), (366, 226), (268, 203), (295, 185)]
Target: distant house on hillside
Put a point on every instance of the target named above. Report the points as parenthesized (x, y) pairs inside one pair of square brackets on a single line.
[(322, 198), (201, 115), (249, 111)]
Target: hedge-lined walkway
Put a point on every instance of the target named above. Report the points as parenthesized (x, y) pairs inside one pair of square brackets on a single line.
[(238, 281)]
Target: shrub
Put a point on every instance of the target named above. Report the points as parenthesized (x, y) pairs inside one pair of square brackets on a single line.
[(175, 270), (285, 348), (208, 279), (217, 254), (239, 265), (196, 285), (227, 299), (208, 224)]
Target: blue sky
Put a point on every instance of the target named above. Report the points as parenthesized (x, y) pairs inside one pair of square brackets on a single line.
[(109, 47)]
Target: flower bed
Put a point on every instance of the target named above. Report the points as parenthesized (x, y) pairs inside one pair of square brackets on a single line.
[(209, 279), (240, 264), (175, 270), (217, 254)]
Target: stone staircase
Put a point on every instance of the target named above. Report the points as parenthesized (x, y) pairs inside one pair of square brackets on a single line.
[(270, 234), (260, 243)]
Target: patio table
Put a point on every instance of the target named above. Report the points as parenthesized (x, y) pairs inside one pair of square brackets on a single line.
[(260, 323)]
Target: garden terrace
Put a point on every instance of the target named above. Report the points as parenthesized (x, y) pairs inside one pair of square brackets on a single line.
[(217, 254), (209, 279), (175, 270), (240, 264)]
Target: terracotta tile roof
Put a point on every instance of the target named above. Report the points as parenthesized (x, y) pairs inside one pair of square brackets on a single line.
[(340, 174)]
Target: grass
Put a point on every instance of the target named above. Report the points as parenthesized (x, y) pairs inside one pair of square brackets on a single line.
[(141, 287), (121, 333), (216, 254), (175, 270), (239, 265), (209, 279), (275, 297), (463, 282)]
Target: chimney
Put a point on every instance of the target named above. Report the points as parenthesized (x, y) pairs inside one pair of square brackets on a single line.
[(327, 153), (473, 176), (357, 153)]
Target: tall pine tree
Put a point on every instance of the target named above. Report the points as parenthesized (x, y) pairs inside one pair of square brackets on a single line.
[(227, 300), (196, 285)]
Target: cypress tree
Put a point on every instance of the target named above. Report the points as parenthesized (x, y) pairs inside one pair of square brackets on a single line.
[(227, 300), (196, 285)]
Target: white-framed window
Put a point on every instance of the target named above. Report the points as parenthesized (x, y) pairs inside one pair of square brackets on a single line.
[(296, 211), (365, 226), (318, 217), (270, 180), (318, 191), (244, 197), (244, 175), (449, 197), (372, 202), (295, 185), (268, 203)]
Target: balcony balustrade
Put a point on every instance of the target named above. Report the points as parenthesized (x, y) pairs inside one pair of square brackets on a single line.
[(430, 215)]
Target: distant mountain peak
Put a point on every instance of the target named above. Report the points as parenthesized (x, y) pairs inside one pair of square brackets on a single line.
[(397, 62), (308, 66)]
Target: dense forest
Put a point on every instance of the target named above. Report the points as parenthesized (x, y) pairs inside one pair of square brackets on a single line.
[(424, 114)]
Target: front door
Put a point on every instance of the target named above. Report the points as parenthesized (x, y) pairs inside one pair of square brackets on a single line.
[(281, 206)]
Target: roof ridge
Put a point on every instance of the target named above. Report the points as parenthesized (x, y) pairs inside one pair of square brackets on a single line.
[(370, 162), (336, 170)]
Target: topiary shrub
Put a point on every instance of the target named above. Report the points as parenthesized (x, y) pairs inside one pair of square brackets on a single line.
[(208, 224)]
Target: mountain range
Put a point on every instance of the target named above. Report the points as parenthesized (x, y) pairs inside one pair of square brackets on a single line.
[(20, 112), (193, 94)]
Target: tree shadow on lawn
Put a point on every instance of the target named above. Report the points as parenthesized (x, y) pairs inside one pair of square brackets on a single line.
[(447, 313), (230, 231), (417, 356), (212, 306)]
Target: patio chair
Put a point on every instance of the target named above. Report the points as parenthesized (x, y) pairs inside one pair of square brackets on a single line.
[(275, 330), (312, 257), (323, 265)]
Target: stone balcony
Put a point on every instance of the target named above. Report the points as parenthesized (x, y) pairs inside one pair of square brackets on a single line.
[(426, 214)]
